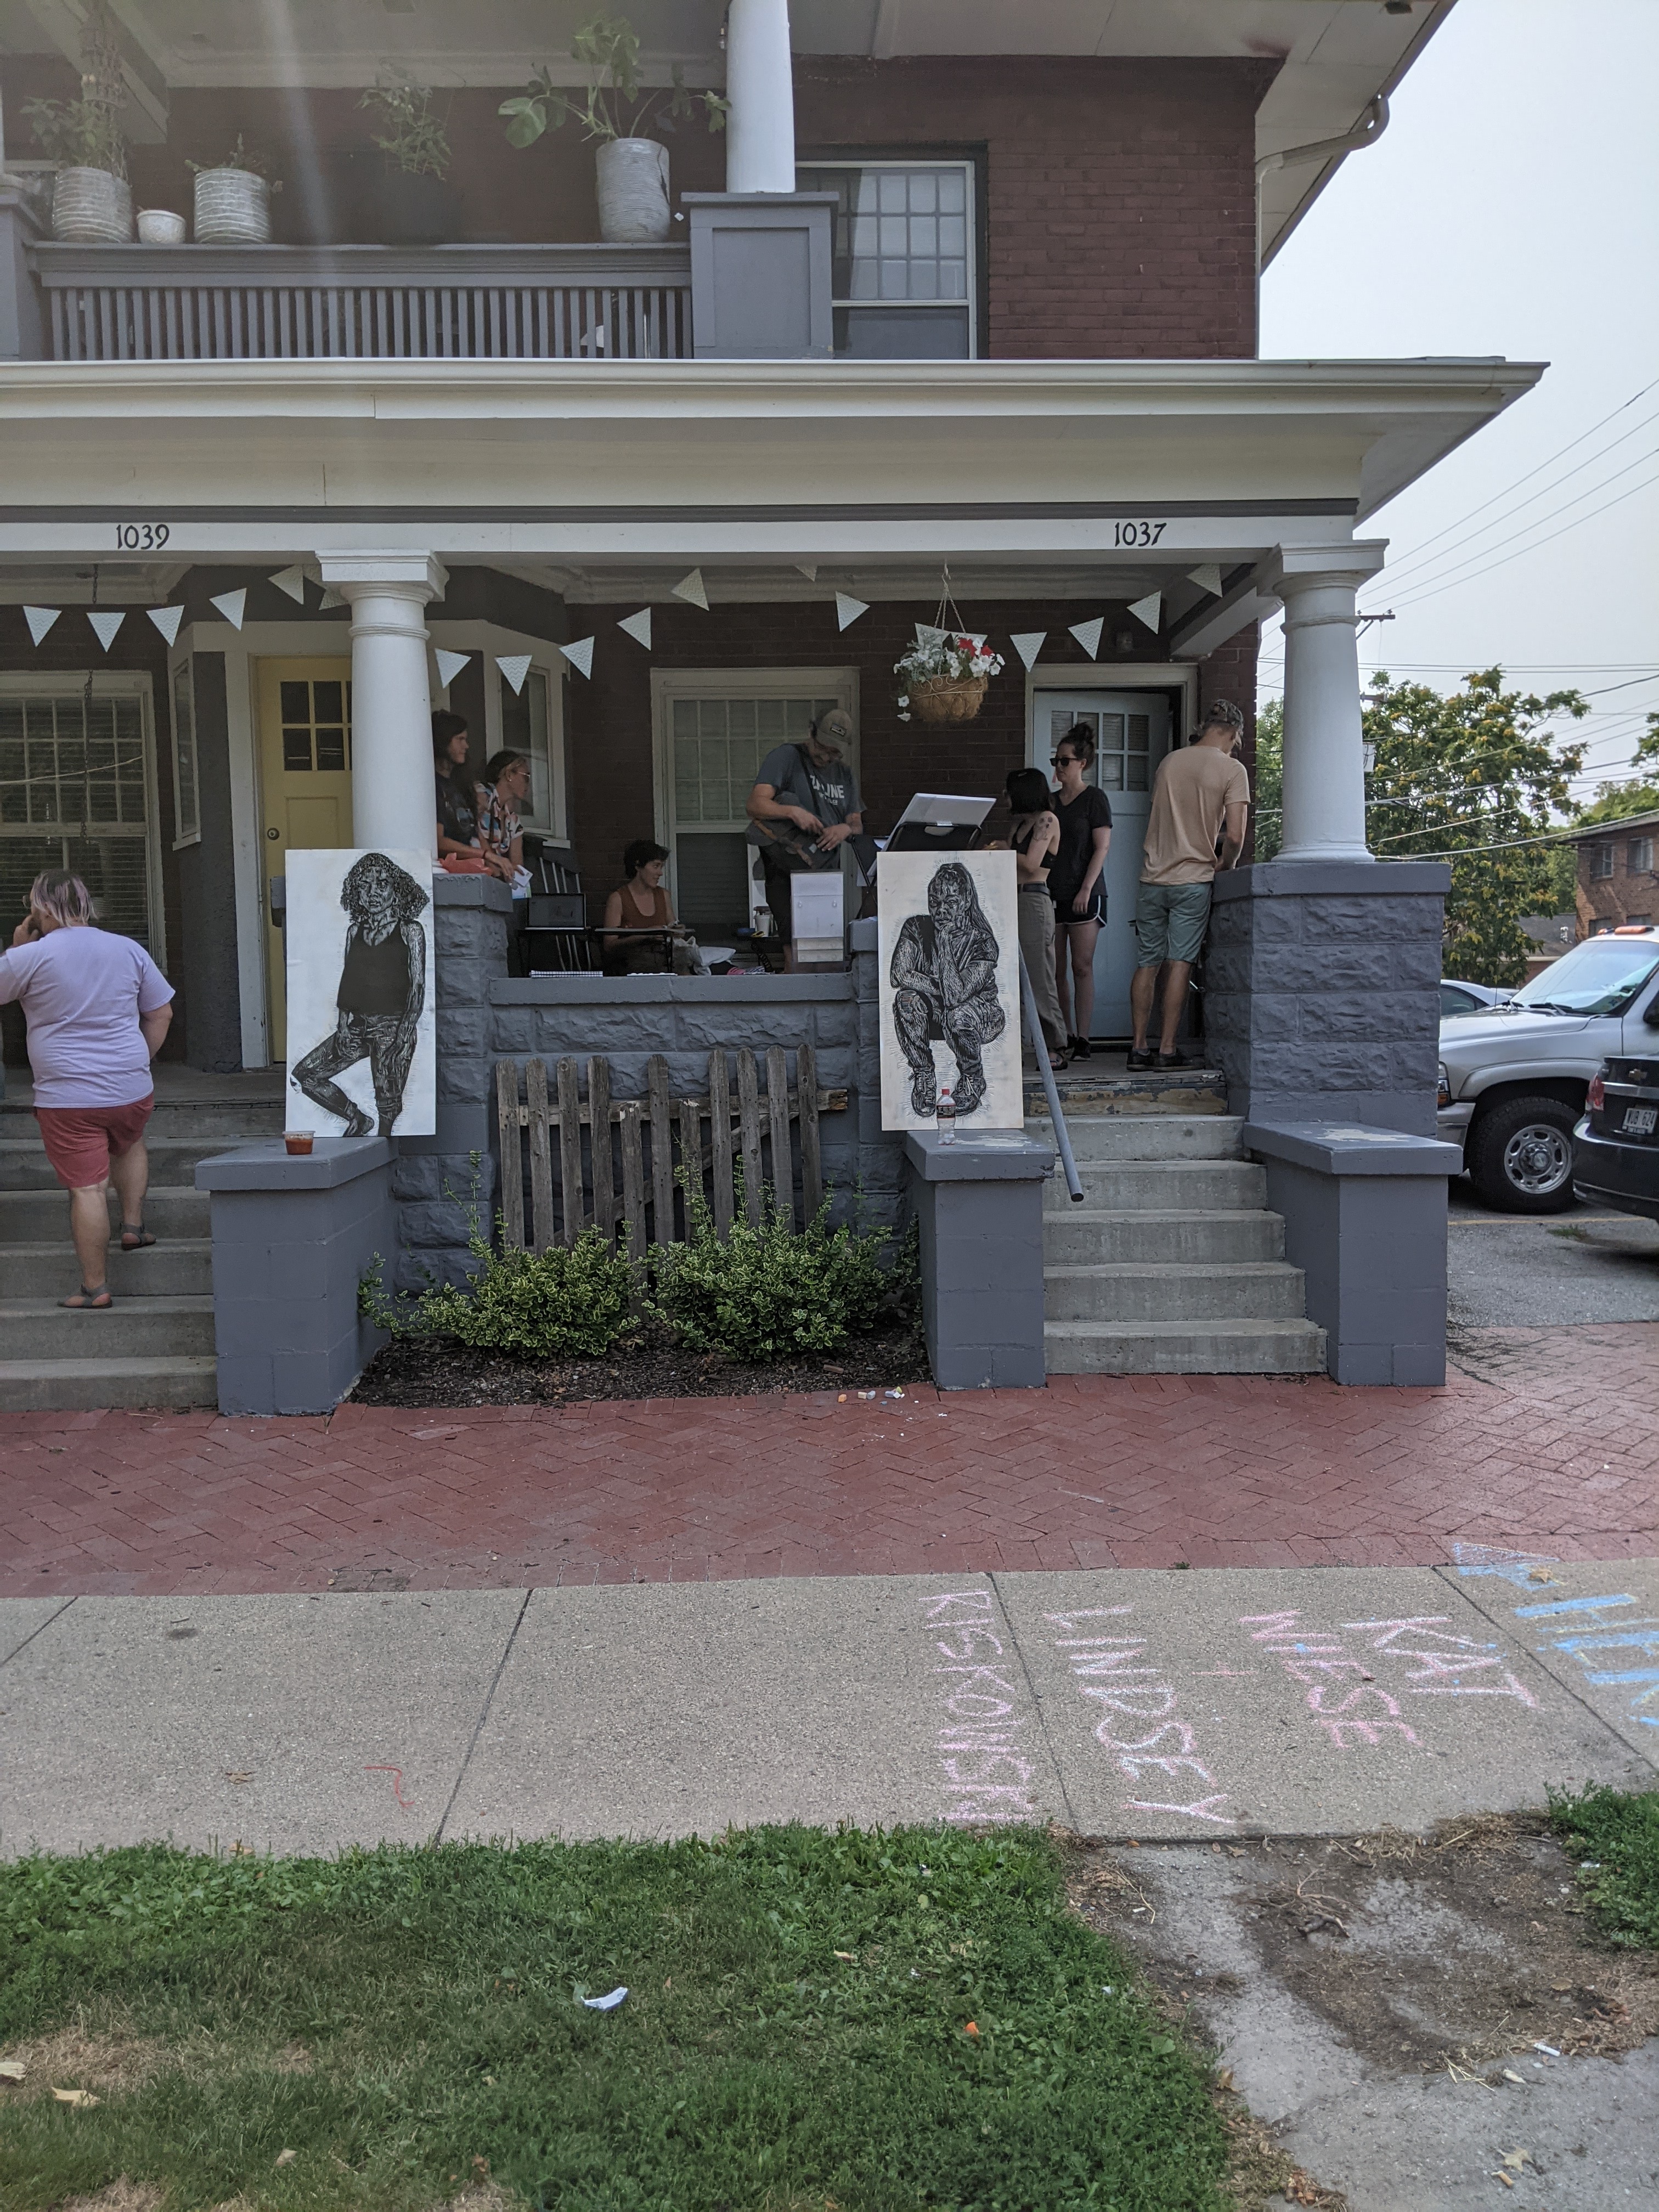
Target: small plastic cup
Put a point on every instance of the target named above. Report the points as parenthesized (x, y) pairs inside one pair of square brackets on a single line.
[(298, 1141)]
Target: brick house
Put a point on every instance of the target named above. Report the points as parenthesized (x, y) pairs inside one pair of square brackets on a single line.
[(1618, 882)]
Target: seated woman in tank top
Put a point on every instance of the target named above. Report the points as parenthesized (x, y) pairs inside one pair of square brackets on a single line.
[(642, 903)]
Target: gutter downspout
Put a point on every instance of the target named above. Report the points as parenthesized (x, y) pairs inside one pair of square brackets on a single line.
[(1366, 132)]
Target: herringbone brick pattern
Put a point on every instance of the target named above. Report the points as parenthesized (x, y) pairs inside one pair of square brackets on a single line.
[(1549, 1442)]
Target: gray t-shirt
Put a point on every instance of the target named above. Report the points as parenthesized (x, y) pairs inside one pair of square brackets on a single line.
[(831, 792)]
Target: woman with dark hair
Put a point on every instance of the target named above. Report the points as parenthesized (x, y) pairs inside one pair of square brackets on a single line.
[(1035, 838), (504, 789), (1077, 881), (382, 991), (640, 903), (457, 819)]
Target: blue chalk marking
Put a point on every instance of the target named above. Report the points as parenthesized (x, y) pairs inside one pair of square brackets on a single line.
[(1641, 1639), (1569, 1605), (1634, 1674)]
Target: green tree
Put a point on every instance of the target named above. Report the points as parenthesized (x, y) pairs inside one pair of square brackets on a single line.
[(1470, 775)]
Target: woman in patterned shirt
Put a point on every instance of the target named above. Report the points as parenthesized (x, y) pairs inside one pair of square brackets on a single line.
[(504, 789)]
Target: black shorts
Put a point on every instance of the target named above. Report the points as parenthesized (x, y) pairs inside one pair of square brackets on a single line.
[(1095, 911)]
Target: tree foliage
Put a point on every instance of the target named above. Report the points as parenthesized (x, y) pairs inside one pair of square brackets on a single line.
[(1469, 775)]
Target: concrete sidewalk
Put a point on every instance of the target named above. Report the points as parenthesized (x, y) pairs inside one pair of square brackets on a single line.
[(1123, 1703)]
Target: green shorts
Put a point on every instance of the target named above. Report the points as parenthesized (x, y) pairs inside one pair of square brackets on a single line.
[(1170, 919)]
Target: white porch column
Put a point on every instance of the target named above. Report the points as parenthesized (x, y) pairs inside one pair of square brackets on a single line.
[(1324, 794), (760, 130), (391, 800)]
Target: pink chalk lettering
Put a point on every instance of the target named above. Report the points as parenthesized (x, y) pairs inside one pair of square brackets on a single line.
[(1424, 1623), (1198, 1810), (1365, 1731), (1112, 1662), (935, 1605), (1131, 1764), (969, 1636), (983, 1674), (1069, 1620), (1269, 1625), (1183, 1730), (1310, 1670), (962, 1772), (971, 1706), (1133, 1701)]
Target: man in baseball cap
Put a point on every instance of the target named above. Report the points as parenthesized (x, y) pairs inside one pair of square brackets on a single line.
[(805, 805)]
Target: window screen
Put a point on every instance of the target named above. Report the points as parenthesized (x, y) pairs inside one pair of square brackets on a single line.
[(903, 280), (1640, 862), (75, 792), (526, 724)]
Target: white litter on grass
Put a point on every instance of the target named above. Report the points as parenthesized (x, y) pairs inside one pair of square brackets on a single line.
[(1548, 2049), (605, 2003)]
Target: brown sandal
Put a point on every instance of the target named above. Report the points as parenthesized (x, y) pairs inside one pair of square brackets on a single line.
[(87, 1300), (135, 1237)]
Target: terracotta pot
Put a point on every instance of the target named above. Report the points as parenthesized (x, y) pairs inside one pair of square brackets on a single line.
[(947, 698), (232, 208), (91, 207), (633, 185)]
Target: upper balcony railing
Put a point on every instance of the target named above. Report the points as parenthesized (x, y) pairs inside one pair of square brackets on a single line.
[(366, 302)]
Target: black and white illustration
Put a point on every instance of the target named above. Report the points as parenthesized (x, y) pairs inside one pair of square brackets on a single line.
[(362, 1054), (949, 989)]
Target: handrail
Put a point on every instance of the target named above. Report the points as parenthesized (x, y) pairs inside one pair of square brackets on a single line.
[(1045, 1068)]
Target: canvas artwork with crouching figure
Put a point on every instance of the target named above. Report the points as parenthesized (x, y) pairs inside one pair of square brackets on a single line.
[(362, 1029), (949, 989)]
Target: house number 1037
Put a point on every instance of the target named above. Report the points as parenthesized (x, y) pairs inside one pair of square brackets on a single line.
[(141, 537), (1138, 533)]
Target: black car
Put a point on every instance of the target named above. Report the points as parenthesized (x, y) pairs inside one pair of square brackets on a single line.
[(1616, 1148)]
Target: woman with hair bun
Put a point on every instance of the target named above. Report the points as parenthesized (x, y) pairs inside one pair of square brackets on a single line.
[(642, 903), (1077, 881)]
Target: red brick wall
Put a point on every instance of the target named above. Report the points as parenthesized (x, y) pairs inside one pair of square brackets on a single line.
[(611, 716)]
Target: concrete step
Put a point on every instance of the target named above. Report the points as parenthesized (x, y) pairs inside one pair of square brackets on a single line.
[(1206, 1186), (1103, 1084), (169, 1269), (85, 1385), (1172, 1292), (1216, 1348), (132, 1328), (1102, 1137), (24, 1164), (228, 1120), (1081, 1236), (39, 1216)]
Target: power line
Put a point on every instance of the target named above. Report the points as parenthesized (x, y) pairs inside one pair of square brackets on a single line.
[(1436, 578), (1442, 584)]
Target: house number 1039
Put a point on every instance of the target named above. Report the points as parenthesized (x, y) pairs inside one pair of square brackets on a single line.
[(141, 537), (1138, 533)]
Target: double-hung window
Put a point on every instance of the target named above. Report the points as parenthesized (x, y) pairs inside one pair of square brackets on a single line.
[(903, 282), (1639, 860), (1601, 860)]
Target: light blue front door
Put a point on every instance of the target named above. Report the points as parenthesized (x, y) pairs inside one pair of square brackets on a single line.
[(1130, 729)]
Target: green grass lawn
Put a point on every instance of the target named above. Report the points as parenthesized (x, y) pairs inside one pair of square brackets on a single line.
[(394, 2018), (1614, 1836)]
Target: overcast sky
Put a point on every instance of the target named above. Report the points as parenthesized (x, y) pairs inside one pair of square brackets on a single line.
[(1511, 207)]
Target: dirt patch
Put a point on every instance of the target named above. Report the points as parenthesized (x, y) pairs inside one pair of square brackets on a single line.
[(122, 2196), (108, 2062), (429, 1371), (1459, 1950)]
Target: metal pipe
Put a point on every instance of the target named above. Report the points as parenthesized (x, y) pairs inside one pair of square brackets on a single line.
[(1062, 1134)]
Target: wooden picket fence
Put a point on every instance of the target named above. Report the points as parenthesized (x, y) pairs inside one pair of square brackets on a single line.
[(575, 1186)]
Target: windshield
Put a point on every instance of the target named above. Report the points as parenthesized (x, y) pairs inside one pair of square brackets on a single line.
[(1597, 977)]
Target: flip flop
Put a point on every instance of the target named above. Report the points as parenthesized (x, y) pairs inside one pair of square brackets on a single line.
[(87, 1300), (135, 1237)]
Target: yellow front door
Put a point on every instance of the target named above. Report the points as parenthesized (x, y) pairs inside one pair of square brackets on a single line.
[(305, 764)]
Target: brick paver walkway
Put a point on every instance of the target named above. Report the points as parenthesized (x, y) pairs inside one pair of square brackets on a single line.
[(1547, 1441)]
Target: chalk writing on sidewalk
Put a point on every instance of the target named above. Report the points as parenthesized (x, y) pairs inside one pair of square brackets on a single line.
[(1106, 1665), (1586, 1629), (1419, 1655), (988, 1776)]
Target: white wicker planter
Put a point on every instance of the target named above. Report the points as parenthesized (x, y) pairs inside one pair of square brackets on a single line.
[(157, 227), (90, 207), (232, 208), (633, 183)]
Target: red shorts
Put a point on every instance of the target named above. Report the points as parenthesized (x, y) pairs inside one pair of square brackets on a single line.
[(80, 1140)]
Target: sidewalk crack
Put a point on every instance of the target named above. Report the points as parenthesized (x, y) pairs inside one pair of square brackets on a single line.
[(1036, 1695), (483, 1715), (6, 1658)]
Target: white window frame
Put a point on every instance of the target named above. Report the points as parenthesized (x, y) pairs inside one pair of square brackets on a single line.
[(1604, 862), (1638, 861), (182, 670), (668, 684), (116, 684), (946, 162)]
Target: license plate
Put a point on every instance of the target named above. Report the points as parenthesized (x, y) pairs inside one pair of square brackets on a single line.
[(1639, 1121)]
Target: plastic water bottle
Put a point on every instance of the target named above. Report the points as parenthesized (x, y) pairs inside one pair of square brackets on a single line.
[(946, 1116)]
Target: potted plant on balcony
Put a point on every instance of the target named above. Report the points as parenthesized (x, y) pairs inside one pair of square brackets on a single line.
[(412, 203), (233, 199), (91, 199), (945, 673), (632, 168)]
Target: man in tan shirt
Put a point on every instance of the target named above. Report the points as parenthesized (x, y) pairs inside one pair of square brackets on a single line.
[(1200, 794)]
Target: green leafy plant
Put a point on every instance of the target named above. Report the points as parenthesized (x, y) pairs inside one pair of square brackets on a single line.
[(255, 164), (78, 133), (609, 46), (770, 1291), (1614, 1836), (412, 139), (568, 1303)]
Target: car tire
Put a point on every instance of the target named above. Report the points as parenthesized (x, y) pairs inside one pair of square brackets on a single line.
[(1520, 1156)]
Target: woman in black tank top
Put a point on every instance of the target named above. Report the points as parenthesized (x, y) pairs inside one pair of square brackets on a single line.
[(1035, 837)]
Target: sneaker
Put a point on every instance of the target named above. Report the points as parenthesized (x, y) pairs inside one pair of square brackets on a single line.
[(1173, 1060), (1081, 1048), (1142, 1059)]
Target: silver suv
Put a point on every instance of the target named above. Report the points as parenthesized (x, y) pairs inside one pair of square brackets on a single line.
[(1512, 1082)]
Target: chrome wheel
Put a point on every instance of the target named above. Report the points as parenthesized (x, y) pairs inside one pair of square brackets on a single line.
[(1537, 1159)]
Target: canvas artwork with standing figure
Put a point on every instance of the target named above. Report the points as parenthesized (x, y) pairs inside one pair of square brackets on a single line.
[(949, 963), (361, 1032)]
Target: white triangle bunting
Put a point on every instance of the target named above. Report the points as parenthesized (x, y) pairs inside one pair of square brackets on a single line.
[(293, 581), (1028, 643), (580, 654), (1147, 610), (1208, 578), (105, 625), (167, 620), (1088, 635), (847, 609), (515, 666), (450, 666), (638, 627), (808, 569), (331, 598), (41, 620), (927, 635), (691, 589), (232, 605)]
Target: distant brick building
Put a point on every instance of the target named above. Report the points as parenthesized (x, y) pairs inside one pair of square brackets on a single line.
[(1618, 882)]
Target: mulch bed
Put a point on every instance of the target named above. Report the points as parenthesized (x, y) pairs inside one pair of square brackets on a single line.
[(436, 1370)]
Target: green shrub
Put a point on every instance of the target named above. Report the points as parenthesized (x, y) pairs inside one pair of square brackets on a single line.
[(1614, 1836), (562, 1304), (767, 1291)]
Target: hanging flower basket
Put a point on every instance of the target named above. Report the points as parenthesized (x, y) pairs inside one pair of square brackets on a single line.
[(947, 698)]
